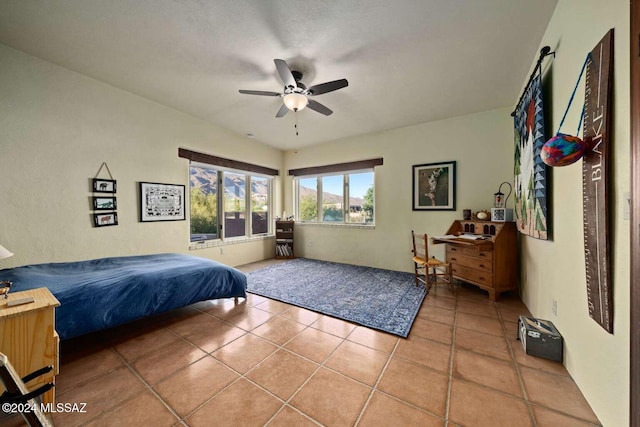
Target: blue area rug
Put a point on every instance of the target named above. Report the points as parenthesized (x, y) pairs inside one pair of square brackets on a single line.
[(380, 299)]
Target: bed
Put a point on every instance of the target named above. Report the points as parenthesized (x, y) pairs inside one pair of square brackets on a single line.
[(101, 293)]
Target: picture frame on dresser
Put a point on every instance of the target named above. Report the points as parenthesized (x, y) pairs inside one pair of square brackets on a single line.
[(434, 186)]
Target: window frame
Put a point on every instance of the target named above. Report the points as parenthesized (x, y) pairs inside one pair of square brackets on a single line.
[(221, 172), (345, 197)]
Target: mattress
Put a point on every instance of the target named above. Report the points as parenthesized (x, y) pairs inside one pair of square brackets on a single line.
[(102, 293)]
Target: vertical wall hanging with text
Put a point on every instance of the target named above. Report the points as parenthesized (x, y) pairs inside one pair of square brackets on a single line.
[(595, 185)]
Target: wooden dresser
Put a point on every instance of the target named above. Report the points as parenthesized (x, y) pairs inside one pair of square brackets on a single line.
[(490, 262), (28, 337)]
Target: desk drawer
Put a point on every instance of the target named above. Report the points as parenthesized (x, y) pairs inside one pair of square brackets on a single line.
[(470, 252), (475, 262), (478, 276)]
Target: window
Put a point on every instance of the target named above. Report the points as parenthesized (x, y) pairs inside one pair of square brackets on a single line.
[(240, 194), (260, 205), (308, 199), (342, 193), (333, 198), (341, 198), (360, 197), (245, 187), (203, 190)]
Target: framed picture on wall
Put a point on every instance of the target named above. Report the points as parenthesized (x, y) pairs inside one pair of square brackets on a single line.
[(104, 185), (105, 219), (104, 203), (434, 186), (161, 202)]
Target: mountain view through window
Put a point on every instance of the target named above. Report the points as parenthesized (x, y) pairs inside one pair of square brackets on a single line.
[(208, 204)]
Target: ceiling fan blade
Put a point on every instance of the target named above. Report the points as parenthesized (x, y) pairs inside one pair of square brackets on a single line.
[(282, 111), (285, 73), (316, 106), (259, 92), (327, 87)]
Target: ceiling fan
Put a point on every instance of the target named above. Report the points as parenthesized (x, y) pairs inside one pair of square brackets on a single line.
[(295, 94)]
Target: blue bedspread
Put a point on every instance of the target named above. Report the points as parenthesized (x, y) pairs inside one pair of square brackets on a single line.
[(102, 293)]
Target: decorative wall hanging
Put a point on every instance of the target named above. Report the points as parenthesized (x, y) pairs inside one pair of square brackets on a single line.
[(595, 165), (104, 219), (104, 185), (434, 186), (563, 149), (530, 174), (161, 202), (104, 203)]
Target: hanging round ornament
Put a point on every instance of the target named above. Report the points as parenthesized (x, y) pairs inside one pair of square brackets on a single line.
[(564, 149)]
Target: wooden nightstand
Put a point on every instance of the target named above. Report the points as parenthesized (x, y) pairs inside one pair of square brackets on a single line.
[(28, 337)]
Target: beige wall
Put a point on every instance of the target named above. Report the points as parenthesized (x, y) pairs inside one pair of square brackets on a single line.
[(56, 129), (482, 146), (554, 269)]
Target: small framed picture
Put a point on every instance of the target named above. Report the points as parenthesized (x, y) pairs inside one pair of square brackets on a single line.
[(104, 185), (104, 203), (434, 187), (161, 202), (105, 219)]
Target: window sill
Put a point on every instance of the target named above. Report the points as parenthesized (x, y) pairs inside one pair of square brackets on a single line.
[(336, 225), (194, 246)]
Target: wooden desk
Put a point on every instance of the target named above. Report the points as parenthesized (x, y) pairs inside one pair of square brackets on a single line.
[(491, 263), (28, 337)]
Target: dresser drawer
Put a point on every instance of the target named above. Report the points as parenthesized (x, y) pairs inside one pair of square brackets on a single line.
[(478, 276), (476, 262), (470, 252)]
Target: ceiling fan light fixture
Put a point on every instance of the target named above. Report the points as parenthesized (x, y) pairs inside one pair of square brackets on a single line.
[(295, 101)]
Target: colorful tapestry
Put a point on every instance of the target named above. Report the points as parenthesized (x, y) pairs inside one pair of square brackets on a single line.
[(530, 173)]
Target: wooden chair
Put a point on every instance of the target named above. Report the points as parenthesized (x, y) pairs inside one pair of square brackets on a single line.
[(18, 396), (430, 271)]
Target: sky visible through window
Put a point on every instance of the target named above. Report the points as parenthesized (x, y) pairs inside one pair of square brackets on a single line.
[(358, 184)]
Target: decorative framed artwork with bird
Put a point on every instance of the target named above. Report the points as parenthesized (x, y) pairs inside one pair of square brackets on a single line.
[(434, 186)]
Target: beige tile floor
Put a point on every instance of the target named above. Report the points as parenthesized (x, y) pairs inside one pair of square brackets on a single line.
[(262, 362)]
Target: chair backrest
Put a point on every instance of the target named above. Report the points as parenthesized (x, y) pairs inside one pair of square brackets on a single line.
[(420, 245)]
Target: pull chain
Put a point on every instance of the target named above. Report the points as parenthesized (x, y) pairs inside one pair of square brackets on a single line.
[(295, 112)]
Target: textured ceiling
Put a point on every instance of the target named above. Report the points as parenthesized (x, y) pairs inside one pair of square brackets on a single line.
[(407, 61)]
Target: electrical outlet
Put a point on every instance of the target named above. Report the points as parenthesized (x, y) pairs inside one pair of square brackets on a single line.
[(554, 307)]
